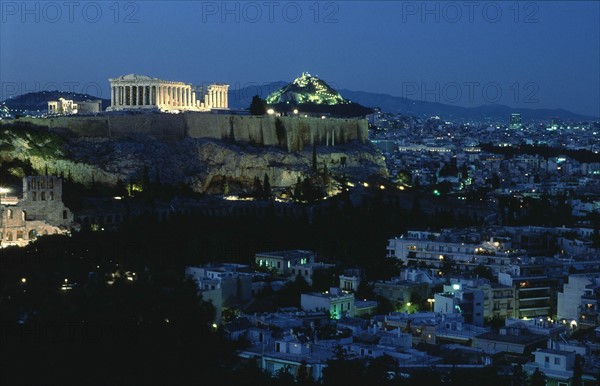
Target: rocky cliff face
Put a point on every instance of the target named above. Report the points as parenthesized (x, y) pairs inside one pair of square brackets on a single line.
[(197, 162)]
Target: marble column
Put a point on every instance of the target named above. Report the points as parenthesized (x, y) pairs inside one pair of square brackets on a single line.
[(226, 104)]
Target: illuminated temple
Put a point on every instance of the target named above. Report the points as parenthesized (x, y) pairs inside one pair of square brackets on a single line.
[(140, 92)]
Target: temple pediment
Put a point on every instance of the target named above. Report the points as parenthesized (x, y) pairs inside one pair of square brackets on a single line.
[(135, 77)]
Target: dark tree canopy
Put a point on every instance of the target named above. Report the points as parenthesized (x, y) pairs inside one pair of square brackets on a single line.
[(258, 106)]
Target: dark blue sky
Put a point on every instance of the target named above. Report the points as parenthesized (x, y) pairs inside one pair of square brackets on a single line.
[(525, 54)]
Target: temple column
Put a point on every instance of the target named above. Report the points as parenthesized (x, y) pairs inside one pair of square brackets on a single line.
[(218, 98), (143, 95), (226, 105), (194, 98), (112, 96)]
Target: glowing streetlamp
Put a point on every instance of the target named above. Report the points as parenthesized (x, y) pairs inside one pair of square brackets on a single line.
[(431, 301), (270, 111), (4, 191)]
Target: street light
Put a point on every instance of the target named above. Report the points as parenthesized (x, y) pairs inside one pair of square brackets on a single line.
[(431, 301), (4, 191)]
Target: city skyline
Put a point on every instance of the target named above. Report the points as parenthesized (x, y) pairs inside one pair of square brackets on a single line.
[(525, 55)]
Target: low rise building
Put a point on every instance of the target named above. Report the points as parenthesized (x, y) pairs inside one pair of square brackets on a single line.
[(282, 261), (307, 271), (435, 250), (222, 284), (399, 291), (456, 300), (335, 301)]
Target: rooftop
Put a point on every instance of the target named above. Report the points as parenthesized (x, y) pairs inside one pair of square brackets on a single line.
[(289, 254)]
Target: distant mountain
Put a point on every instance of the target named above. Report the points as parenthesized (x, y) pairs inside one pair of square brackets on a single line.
[(241, 99), (35, 102), (393, 104)]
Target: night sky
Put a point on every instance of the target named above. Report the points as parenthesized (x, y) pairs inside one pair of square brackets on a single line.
[(525, 54)]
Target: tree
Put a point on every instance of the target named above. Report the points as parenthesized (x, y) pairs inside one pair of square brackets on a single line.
[(225, 186), (484, 272), (538, 378), (266, 187), (145, 180), (577, 371), (258, 106), (518, 376), (314, 158), (304, 377), (257, 189), (326, 177)]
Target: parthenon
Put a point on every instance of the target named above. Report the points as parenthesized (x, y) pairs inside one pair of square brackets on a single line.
[(138, 92)]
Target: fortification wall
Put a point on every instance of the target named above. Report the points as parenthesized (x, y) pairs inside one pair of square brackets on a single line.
[(291, 133)]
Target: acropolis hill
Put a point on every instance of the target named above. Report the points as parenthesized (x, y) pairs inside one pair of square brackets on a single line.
[(182, 138), (290, 133)]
